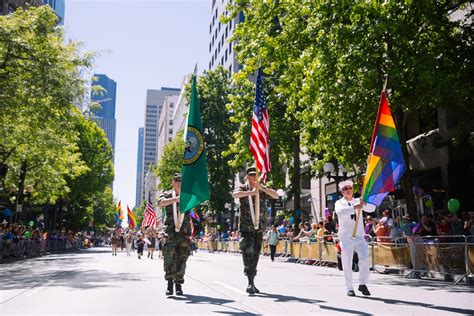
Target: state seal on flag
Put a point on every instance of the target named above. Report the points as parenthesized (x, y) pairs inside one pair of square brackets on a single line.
[(194, 145)]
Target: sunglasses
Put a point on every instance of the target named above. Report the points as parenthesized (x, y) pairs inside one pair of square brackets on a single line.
[(346, 188), (177, 180)]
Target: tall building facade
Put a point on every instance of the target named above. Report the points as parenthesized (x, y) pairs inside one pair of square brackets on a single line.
[(139, 166), (105, 115), (166, 123), (8, 6), (221, 51), (154, 104)]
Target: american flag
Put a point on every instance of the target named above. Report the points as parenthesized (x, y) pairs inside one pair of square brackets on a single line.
[(259, 136), (149, 218)]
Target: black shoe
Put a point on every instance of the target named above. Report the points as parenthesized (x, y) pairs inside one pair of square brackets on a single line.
[(148, 255), (151, 257), (169, 289), (351, 293), (363, 288), (179, 290), (257, 291), (251, 289)]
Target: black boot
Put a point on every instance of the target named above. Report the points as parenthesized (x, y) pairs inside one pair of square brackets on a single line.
[(169, 289), (179, 290), (251, 286)]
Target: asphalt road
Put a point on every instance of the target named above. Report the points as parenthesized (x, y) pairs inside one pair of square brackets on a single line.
[(93, 282)]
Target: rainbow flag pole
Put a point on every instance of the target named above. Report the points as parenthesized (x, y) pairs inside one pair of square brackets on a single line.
[(385, 163), (132, 223)]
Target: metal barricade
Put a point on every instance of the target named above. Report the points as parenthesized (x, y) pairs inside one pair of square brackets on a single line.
[(393, 253), (21, 249), (440, 255)]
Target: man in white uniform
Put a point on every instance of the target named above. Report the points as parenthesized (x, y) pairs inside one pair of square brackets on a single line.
[(346, 209)]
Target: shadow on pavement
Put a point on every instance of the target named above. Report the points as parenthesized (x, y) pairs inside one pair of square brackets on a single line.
[(196, 299), (343, 310), (429, 285), (418, 304), (77, 279), (286, 298)]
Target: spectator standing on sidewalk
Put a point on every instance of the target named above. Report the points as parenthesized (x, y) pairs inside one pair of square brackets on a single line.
[(272, 239), (347, 209)]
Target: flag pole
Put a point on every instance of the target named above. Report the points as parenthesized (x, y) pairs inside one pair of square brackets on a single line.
[(370, 152), (257, 202)]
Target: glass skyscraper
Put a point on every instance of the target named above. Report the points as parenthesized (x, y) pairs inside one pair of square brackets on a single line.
[(105, 115)]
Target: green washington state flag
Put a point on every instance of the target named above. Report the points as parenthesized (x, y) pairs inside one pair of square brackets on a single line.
[(195, 184)]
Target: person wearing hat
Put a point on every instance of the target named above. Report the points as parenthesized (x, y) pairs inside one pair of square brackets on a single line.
[(347, 209), (178, 231), (252, 225)]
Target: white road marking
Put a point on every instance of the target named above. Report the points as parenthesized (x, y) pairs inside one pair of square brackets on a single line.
[(230, 288)]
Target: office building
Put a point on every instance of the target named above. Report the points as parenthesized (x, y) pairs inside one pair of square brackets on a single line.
[(221, 51), (154, 104), (105, 114), (9, 6), (139, 167)]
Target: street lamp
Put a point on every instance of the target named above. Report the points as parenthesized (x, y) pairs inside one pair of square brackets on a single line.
[(333, 173)]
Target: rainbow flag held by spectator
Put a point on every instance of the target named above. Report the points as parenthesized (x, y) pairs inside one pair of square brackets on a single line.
[(131, 219), (386, 164)]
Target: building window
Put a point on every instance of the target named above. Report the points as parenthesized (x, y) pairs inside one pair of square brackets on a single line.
[(230, 68), (170, 122), (225, 55), (230, 25), (210, 28), (210, 46), (222, 60), (171, 105), (226, 31), (230, 47), (170, 131)]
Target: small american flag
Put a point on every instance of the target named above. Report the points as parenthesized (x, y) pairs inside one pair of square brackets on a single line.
[(149, 218), (259, 136)]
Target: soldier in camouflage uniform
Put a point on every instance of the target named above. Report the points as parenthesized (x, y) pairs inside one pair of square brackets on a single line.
[(251, 238), (176, 247)]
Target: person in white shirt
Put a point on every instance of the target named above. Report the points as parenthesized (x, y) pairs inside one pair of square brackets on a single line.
[(347, 209)]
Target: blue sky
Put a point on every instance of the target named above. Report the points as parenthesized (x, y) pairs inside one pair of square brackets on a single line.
[(142, 44)]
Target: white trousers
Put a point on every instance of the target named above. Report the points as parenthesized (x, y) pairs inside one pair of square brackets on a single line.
[(348, 245), (129, 247)]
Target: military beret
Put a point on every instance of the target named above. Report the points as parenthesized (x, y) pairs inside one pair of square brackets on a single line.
[(177, 176)]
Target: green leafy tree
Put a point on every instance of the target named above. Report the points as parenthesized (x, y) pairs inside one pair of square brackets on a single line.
[(40, 77), (92, 187), (214, 89), (327, 63), (170, 162)]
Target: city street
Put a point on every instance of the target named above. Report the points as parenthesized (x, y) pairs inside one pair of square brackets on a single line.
[(94, 282)]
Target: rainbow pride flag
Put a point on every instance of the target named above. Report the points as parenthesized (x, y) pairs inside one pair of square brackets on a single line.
[(194, 215), (119, 215), (385, 165), (131, 219)]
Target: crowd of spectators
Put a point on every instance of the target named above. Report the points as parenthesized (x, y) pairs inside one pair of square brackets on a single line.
[(19, 240)]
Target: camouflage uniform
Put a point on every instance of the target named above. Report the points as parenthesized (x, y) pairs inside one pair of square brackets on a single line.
[(251, 239), (176, 247)]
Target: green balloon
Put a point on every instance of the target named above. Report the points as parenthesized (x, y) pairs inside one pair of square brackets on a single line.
[(453, 205), (429, 203), (27, 234), (32, 223)]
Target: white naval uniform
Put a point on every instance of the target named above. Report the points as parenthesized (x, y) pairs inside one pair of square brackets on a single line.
[(346, 216)]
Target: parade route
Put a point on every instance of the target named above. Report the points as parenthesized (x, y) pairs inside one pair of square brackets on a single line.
[(92, 282)]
